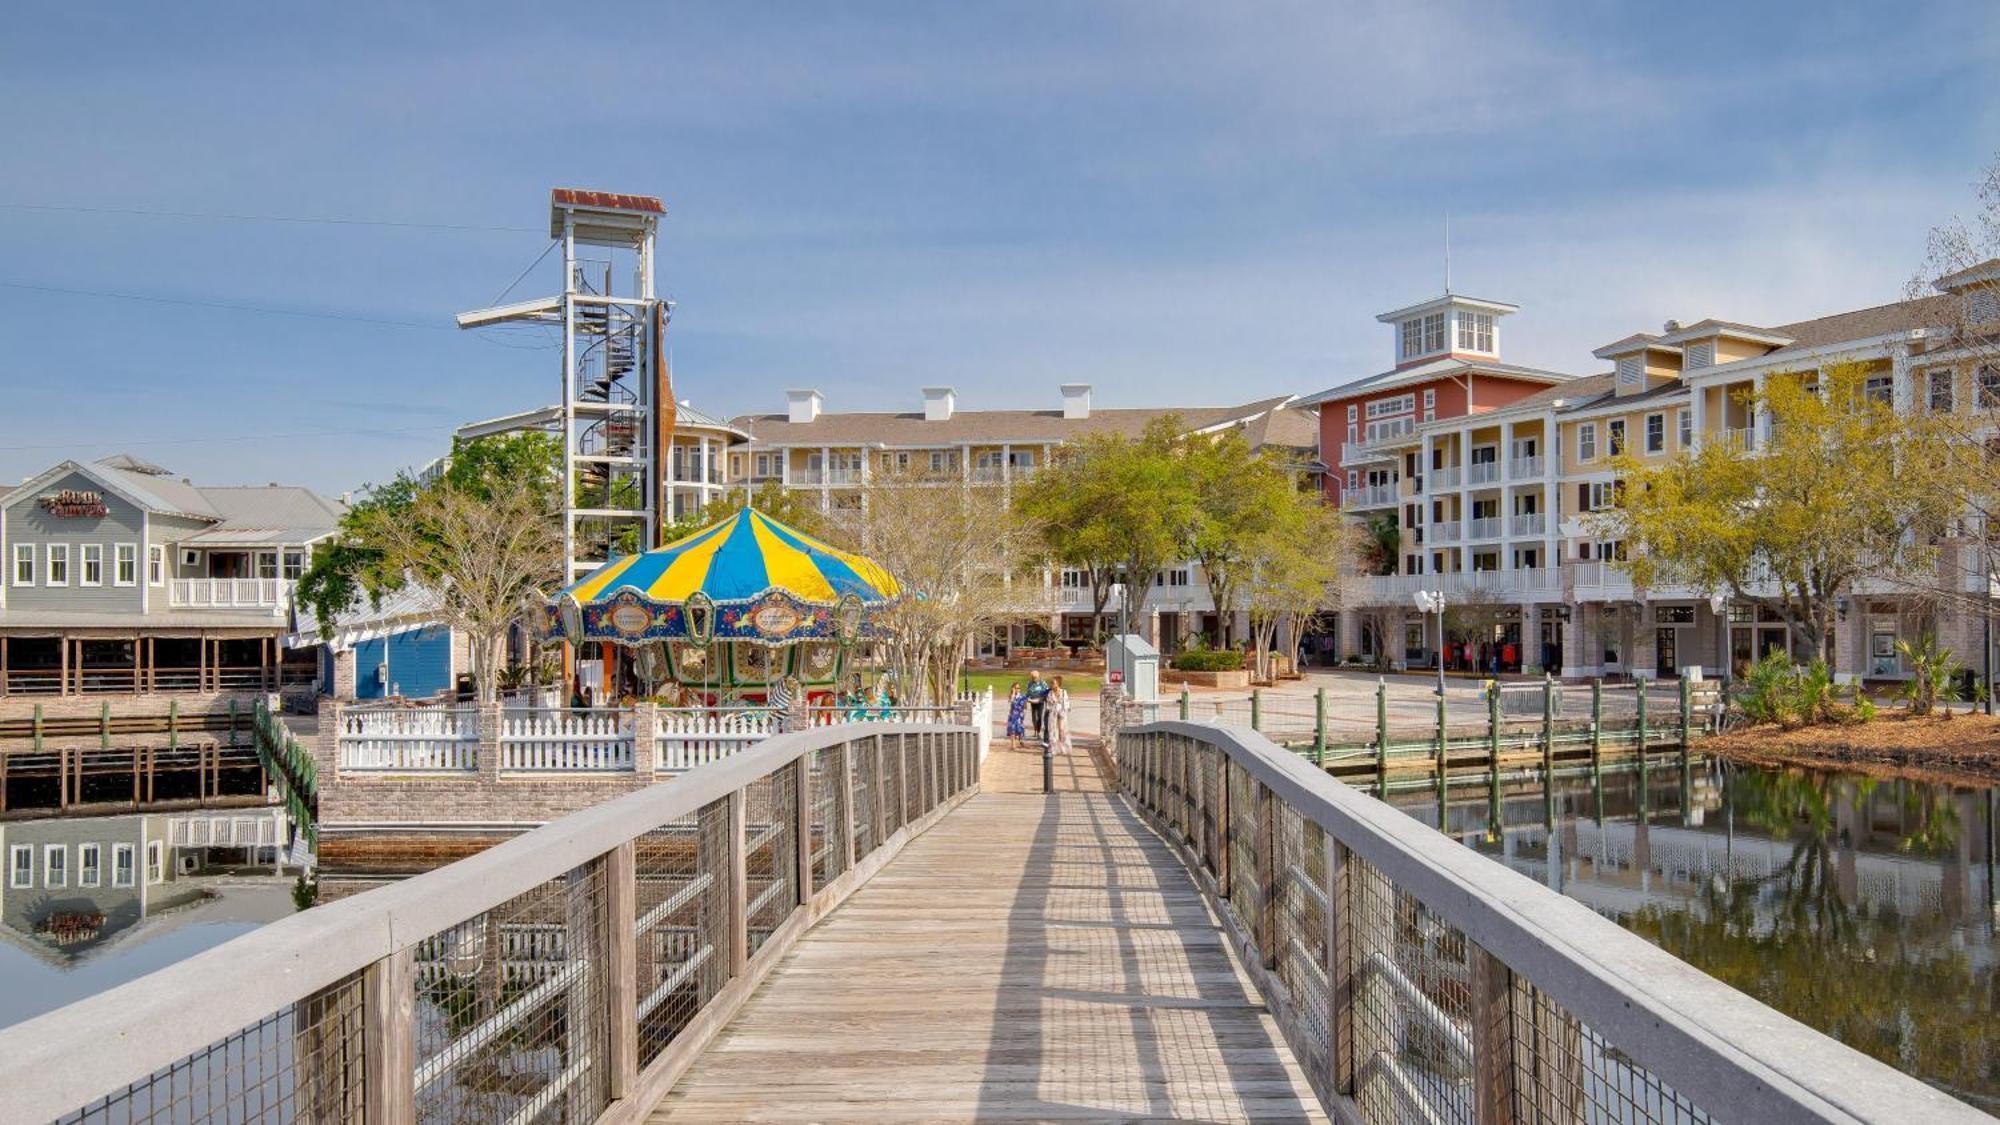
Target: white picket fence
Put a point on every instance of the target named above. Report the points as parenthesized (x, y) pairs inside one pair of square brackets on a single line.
[(568, 742), (410, 740), (690, 737)]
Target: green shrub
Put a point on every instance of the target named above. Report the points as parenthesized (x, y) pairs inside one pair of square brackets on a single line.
[(1934, 674), (1780, 692), (1209, 660)]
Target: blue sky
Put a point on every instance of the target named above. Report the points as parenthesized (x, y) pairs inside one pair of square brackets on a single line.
[(1176, 202)]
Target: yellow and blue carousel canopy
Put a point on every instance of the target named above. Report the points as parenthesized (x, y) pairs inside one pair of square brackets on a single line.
[(748, 577)]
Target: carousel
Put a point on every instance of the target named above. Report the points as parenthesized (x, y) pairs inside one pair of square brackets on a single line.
[(722, 616)]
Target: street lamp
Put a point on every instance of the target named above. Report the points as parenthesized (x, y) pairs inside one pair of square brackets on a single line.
[(1432, 601)]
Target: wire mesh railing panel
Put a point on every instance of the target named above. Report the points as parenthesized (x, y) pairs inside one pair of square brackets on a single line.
[(301, 1063), (1564, 1071), (892, 784), (1246, 896), (1411, 1002), (864, 770), (511, 1011), (680, 926), (770, 863), (828, 824), (1299, 945), (1213, 775), (913, 777)]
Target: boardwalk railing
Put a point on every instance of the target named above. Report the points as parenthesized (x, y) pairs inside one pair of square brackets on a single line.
[(571, 973), (1417, 980), (593, 741), (410, 740)]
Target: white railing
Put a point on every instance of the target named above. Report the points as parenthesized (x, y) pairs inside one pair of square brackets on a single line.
[(1600, 578), (1744, 438), (1372, 496), (1396, 589), (231, 593), (567, 741), (1385, 431), (1444, 478), (1483, 472), (1530, 523), (1522, 468), (988, 475), (695, 736), (266, 831), (1486, 528), (1444, 532), (410, 740)]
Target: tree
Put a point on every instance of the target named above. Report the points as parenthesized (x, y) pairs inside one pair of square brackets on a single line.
[(484, 535), (1295, 564), (1239, 497), (953, 547), (1118, 507), (1842, 490)]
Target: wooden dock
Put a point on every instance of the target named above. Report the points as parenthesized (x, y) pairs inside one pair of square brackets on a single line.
[(1028, 959)]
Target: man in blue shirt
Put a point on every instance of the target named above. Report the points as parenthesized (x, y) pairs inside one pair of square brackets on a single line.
[(1038, 705)]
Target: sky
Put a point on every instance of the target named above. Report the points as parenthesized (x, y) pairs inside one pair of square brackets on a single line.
[(1178, 203)]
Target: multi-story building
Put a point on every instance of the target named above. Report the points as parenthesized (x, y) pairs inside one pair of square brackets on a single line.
[(691, 475), (834, 455), (121, 577), (1491, 504)]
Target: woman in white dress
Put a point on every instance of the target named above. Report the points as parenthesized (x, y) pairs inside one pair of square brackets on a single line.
[(1059, 716)]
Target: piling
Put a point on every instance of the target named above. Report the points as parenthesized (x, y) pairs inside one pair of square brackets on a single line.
[(1319, 727), (1639, 692), (1596, 721), (1185, 704), (1443, 766), (1257, 709), (1382, 735)]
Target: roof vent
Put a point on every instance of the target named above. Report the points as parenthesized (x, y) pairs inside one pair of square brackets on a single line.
[(1671, 327), (939, 402), (803, 405), (1076, 401)]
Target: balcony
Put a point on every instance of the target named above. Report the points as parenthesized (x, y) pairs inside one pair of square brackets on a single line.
[(1525, 468), (1530, 523), (270, 595), (1599, 580), (1483, 472), (1381, 434), (988, 474), (826, 476), (1743, 439), (1398, 589), (1487, 528), (1444, 478), (1445, 532), (1372, 496)]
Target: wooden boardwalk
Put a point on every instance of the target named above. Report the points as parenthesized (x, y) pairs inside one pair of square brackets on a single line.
[(1031, 958)]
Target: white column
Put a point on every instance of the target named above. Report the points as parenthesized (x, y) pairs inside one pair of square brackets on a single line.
[(1006, 463), (1697, 414), (825, 476), (1902, 391)]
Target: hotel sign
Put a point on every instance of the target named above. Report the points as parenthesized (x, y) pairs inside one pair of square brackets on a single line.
[(73, 503)]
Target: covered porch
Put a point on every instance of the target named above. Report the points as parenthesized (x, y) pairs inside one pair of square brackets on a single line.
[(70, 662)]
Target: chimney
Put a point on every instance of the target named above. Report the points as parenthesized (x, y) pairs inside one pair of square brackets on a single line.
[(803, 405), (1076, 401), (938, 403)]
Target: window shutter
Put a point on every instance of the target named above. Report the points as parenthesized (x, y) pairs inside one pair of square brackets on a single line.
[(1698, 356), (1583, 497), (1631, 371)]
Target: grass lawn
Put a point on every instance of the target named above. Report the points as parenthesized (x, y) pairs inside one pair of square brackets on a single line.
[(1078, 683)]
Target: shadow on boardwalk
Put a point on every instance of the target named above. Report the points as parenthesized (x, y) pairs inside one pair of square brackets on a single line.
[(1031, 958)]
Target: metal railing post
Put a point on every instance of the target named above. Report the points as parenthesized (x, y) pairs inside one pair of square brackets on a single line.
[(1319, 727), (619, 870), (389, 1038)]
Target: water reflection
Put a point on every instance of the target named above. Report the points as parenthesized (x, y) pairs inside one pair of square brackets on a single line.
[(1862, 907)]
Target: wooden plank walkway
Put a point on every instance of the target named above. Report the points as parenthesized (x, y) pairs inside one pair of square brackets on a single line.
[(1031, 958)]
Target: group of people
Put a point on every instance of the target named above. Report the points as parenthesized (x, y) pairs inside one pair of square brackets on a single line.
[(1042, 705)]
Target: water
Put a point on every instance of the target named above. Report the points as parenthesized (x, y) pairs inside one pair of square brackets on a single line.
[(1859, 906), (99, 901)]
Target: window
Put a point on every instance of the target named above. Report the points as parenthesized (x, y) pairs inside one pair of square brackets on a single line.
[(267, 564), (763, 465), (156, 565), (1656, 433), (55, 865), (58, 564), (121, 865), (1434, 332), (1352, 411), (1430, 403), (20, 866), (1586, 442), (1686, 425), (1413, 338), (1880, 388), (1596, 496), (1384, 407), (127, 571), (1988, 380), (89, 865), (93, 565), (1614, 436), (1940, 387), (1353, 478), (1475, 332), (156, 861), (295, 564), (24, 564)]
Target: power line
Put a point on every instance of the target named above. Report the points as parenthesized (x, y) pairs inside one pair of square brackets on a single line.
[(226, 305), (235, 218), (236, 438)]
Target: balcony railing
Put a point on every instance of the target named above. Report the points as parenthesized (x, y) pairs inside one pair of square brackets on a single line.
[(271, 594), (1524, 468), (1744, 439), (1530, 523), (1487, 528), (1482, 472), (826, 476), (1445, 532), (1397, 589), (1372, 496), (1444, 478)]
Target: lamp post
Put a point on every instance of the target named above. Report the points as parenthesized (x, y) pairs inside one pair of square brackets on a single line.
[(1432, 601)]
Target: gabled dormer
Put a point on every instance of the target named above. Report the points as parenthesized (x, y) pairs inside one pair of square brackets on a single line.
[(1708, 342), (1639, 362), (1447, 327)]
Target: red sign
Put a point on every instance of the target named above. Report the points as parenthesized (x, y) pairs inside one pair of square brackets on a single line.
[(72, 503), (1117, 677)]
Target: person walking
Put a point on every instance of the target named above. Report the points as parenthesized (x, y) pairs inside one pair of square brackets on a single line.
[(1017, 713), (1058, 703), (1038, 705)]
